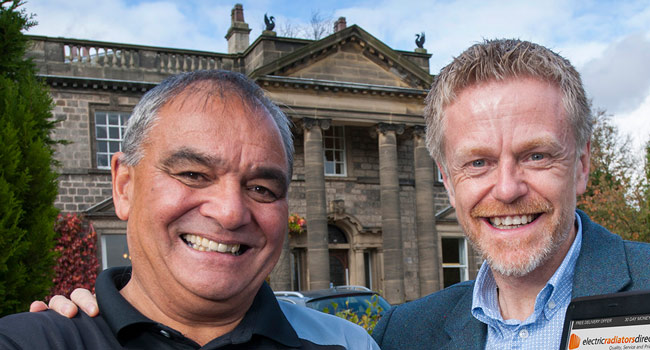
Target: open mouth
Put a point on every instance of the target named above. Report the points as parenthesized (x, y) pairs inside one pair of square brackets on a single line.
[(512, 221), (203, 244)]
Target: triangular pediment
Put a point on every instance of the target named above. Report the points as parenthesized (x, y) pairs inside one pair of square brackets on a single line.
[(351, 63), (105, 208), (349, 56), (447, 214)]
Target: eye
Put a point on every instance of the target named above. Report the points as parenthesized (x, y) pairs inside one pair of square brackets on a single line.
[(479, 163), (537, 157), (192, 175), (192, 178), (262, 194)]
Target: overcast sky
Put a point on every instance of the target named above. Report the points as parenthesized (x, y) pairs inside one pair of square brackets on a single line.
[(607, 41)]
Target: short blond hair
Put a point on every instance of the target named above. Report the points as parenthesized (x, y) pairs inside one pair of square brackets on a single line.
[(497, 60)]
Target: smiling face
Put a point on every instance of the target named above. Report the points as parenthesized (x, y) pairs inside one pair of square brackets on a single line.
[(514, 172), (207, 204)]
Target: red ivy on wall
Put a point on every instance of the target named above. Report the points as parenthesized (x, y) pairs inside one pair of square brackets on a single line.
[(77, 248)]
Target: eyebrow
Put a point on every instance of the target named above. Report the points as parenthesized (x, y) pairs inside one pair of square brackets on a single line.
[(521, 148), (188, 155), (273, 174), (540, 143)]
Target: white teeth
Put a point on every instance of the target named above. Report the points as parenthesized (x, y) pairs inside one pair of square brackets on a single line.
[(222, 248), (509, 222), (205, 245)]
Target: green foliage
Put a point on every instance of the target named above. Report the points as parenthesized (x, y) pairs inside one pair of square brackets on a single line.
[(618, 195), (368, 319), (77, 263), (28, 184)]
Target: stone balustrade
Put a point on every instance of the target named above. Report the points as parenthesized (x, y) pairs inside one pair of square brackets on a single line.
[(104, 60)]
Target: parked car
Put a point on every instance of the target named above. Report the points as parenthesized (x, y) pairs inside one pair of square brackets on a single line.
[(355, 298)]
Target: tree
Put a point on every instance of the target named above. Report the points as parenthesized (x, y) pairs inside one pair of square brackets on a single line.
[(617, 194), (28, 183), (289, 30), (319, 26), (77, 263)]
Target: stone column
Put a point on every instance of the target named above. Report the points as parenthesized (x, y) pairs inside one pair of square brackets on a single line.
[(425, 215), (391, 224), (318, 262)]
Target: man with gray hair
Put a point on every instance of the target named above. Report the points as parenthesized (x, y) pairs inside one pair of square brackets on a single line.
[(509, 126), (202, 184)]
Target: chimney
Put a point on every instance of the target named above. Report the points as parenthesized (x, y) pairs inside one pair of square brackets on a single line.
[(237, 35), (340, 24)]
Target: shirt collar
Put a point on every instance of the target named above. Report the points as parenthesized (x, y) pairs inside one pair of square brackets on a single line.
[(264, 317), (485, 304)]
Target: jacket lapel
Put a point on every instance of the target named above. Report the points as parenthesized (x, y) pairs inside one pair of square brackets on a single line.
[(464, 331), (602, 265)]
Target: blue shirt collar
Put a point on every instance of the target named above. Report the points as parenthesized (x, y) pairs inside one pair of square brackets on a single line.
[(556, 292)]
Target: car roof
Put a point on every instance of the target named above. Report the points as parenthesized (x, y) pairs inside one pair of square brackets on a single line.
[(322, 293)]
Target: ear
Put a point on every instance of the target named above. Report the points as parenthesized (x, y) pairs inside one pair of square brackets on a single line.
[(582, 169), (122, 186), (448, 186)]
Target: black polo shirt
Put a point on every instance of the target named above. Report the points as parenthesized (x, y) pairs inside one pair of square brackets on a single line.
[(120, 325)]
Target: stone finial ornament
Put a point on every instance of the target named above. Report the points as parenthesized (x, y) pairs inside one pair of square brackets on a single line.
[(419, 40), (269, 22)]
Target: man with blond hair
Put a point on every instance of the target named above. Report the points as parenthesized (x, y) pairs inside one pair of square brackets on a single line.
[(509, 126)]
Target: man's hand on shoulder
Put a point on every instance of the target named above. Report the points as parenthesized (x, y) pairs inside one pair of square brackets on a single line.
[(80, 298)]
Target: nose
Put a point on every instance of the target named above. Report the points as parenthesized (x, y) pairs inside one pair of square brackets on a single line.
[(226, 203), (510, 184)]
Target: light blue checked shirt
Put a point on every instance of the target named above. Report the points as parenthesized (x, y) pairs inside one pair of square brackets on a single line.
[(543, 329)]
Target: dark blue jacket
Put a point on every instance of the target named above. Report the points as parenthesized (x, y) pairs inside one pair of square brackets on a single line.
[(443, 320)]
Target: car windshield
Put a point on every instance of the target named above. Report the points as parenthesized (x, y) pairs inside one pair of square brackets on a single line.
[(355, 303)]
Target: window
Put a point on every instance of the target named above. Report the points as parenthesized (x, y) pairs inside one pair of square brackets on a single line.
[(297, 261), (438, 173), (368, 268), (109, 133), (334, 151), (115, 252), (454, 260)]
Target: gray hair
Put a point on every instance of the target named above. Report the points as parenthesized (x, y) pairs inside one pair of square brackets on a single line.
[(145, 112), (498, 60)]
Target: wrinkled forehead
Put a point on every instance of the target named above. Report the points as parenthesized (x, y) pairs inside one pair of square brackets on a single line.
[(487, 86)]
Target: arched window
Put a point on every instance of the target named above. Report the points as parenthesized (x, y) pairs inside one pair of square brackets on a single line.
[(335, 235)]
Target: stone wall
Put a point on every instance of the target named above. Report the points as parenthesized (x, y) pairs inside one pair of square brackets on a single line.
[(81, 185), (78, 192)]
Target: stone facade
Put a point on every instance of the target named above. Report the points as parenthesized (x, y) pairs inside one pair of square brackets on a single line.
[(381, 223)]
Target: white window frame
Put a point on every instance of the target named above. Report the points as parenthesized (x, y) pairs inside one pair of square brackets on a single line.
[(121, 128), (335, 130), (462, 253), (438, 172), (105, 249)]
